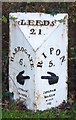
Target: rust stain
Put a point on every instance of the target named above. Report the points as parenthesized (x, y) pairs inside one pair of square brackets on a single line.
[(38, 98), (14, 24), (65, 17)]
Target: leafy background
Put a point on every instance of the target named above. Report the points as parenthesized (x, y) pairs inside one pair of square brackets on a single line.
[(45, 7)]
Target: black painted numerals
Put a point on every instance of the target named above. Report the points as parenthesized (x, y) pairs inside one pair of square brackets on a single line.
[(21, 61), (51, 63), (33, 32)]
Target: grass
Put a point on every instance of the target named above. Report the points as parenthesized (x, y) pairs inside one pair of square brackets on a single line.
[(15, 111), (38, 114), (29, 114)]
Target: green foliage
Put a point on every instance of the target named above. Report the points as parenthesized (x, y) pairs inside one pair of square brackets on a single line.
[(62, 21), (7, 95), (13, 18), (13, 106), (72, 51), (74, 108), (74, 19), (53, 113), (58, 8), (53, 9), (4, 19)]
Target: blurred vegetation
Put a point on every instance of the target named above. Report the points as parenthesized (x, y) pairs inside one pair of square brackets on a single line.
[(45, 7), (15, 112)]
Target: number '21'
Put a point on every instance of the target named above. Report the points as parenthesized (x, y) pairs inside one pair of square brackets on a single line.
[(33, 32)]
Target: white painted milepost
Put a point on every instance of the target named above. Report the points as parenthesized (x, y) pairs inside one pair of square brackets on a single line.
[(38, 59)]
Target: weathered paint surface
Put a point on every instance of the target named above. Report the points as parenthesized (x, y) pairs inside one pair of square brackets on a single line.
[(38, 59)]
